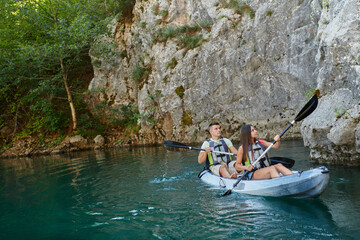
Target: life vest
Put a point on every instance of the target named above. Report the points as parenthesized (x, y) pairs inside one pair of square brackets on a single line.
[(217, 158), (257, 149)]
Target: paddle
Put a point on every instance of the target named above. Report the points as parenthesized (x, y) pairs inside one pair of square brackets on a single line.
[(309, 107), (287, 162), (168, 143)]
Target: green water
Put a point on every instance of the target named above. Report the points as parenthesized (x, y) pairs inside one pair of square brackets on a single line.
[(148, 193)]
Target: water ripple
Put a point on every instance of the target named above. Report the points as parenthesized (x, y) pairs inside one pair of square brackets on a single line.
[(146, 193)]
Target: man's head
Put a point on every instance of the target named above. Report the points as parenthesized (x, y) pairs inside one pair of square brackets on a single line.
[(215, 130)]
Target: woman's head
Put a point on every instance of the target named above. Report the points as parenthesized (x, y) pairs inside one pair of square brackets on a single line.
[(245, 134), (248, 132)]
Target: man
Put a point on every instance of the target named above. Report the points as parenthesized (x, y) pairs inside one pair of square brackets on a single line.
[(218, 163)]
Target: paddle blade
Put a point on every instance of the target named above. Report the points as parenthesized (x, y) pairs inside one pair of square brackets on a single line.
[(309, 107), (287, 162), (228, 192), (174, 146), (169, 143)]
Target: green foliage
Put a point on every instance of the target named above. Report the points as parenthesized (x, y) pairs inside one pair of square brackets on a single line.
[(90, 125), (106, 50), (268, 13), (172, 64), (169, 32), (190, 42), (151, 107), (56, 141), (276, 58), (180, 91), (130, 115), (155, 9), (35, 36), (5, 147), (164, 34), (194, 135), (159, 21), (164, 13), (106, 117), (204, 24), (153, 97), (325, 3), (186, 35), (240, 8), (340, 112), (165, 79), (140, 73), (186, 119)]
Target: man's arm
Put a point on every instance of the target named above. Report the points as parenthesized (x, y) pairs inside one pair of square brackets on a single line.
[(230, 145), (203, 155), (233, 149)]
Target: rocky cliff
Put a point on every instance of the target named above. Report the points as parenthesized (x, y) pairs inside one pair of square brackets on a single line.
[(186, 63), (333, 131)]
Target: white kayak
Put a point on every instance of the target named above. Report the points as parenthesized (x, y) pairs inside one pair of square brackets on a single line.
[(302, 184)]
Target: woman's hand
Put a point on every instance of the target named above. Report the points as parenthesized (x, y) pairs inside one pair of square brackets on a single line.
[(277, 140), (249, 168)]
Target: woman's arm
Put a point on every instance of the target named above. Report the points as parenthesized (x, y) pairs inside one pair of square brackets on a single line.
[(276, 145), (238, 165)]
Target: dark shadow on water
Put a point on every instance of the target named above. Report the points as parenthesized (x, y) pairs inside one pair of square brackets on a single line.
[(313, 210)]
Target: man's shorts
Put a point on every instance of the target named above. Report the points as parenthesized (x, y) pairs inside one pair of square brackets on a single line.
[(215, 169), (231, 166), (232, 169)]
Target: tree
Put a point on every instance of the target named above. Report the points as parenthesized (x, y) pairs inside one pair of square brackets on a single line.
[(42, 45)]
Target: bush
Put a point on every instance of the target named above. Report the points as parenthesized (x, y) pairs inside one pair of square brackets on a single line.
[(186, 119), (140, 73), (186, 35), (180, 91)]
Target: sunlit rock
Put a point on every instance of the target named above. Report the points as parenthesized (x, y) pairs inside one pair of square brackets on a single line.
[(256, 63)]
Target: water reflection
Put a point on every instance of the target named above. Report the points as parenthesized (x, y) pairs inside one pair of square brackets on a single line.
[(255, 217)]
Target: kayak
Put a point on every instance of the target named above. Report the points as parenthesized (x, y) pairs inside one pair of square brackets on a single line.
[(302, 184)]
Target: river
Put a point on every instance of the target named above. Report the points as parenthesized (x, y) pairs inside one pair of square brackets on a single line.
[(150, 193)]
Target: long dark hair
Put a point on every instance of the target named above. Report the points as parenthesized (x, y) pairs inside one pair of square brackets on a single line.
[(245, 141)]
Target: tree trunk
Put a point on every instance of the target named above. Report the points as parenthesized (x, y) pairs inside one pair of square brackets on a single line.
[(69, 96), (64, 75)]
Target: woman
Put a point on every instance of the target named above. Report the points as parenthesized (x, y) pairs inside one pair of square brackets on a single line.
[(250, 149)]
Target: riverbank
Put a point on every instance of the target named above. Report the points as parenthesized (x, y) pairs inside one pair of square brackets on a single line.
[(33, 146)]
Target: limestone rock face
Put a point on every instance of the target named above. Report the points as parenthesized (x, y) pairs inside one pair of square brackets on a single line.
[(185, 64), (332, 131)]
